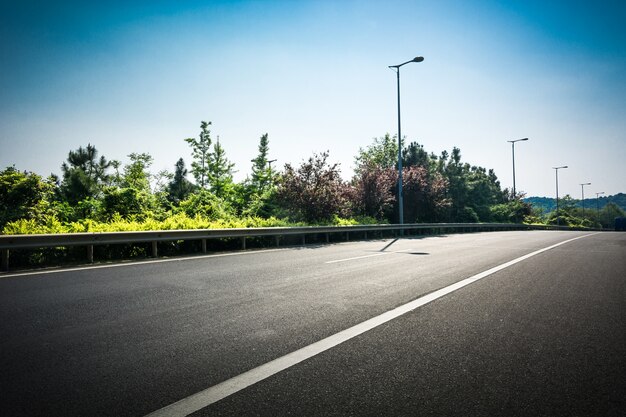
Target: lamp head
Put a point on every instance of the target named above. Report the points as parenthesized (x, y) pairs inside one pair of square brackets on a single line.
[(418, 59)]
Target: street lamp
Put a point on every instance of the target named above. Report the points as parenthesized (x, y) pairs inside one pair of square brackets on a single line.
[(556, 170), (268, 162), (513, 151), (582, 189), (598, 205), (270, 166), (400, 202)]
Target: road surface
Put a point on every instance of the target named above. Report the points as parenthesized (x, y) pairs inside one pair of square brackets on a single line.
[(517, 323)]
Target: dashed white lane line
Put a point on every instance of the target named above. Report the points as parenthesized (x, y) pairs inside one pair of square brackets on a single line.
[(358, 257), (224, 389)]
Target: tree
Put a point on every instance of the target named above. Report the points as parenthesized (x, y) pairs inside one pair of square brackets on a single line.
[(220, 172), (84, 175), (314, 192), (608, 214), (382, 153), (513, 211), (374, 191), (128, 202), (415, 155), (424, 194), (201, 148), (180, 187), (136, 174), (23, 195), (262, 173)]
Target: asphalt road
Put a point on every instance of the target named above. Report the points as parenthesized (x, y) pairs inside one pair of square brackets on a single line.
[(543, 336)]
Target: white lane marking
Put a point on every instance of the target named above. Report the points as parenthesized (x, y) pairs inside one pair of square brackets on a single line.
[(368, 256), (135, 263), (357, 257), (226, 388)]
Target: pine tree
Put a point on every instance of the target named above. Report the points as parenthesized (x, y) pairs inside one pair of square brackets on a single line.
[(262, 173), (84, 174), (180, 187), (201, 149), (220, 171)]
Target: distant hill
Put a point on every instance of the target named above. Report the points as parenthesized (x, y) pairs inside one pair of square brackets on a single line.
[(548, 204)]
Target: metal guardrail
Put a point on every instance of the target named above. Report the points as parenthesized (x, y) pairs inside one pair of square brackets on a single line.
[(12, 242)]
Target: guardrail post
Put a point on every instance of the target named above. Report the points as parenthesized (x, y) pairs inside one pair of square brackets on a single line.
[(90, 254), (347, 236), (203, 245), (277, 241), (303, 240), (365, 233), (327, 237), (243, 243), (155, 252), (4, 263)]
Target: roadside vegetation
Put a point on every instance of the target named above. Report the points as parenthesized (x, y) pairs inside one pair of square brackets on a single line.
[(95, 194)]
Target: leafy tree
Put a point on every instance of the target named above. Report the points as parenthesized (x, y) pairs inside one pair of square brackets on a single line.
[(483, 191), (456, 174), (136, 174), (314, 192), (424, 194), (127, 202), (566, 214), (374, 191), (180, 187), (23, 195), (206, 204), (84, 174), (201, 148), (115, 180), (382, 153), (609, 213), (513, 211)]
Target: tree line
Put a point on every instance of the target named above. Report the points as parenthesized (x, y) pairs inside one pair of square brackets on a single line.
[(97, 194)]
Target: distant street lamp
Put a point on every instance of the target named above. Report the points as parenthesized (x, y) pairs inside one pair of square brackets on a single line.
[(270, 166), (268, 162), (598, 205), (582, 189), (556, 170), (400, 202), (513, 151)]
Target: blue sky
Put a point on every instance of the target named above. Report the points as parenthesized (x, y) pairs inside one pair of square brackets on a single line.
[(140, 76)]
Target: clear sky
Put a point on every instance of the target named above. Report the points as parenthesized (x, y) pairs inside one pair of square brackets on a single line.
[(139, 76)]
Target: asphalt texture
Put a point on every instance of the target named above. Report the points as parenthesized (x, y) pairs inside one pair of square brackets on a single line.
[(546, 336)]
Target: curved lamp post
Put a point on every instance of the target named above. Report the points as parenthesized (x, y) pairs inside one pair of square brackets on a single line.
[(512, 142), (598, 205), (582, 189), (556, 170), (400, 195)]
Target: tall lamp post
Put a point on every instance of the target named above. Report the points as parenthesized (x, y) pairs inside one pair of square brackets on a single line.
[(400, 195), (512, 142), (582, 190), (598, 205), (556, 170)]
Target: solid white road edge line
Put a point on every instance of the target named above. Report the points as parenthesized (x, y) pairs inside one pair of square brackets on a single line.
[(224, 389), (135, 263)]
